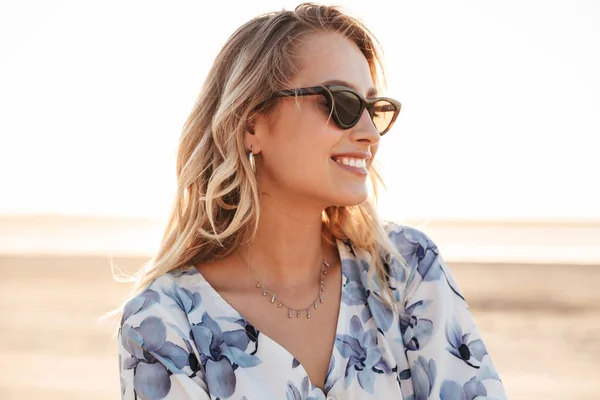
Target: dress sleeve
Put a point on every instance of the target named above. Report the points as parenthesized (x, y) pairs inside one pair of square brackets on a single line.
[(446, 355), (157, 359)]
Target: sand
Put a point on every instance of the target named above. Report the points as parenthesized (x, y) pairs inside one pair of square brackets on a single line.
[(541, 324)]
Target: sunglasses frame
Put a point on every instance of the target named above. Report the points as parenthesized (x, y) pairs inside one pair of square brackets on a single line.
[(328, 91)]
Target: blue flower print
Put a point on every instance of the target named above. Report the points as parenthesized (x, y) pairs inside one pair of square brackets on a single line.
[(413, 245), (293, 393), (148, 345), (461, 348), (139, 303), (363, 355), (471, 390), (423, 377), (395, 271), (356, 292), (329, 382), (186, 300), (251, 331), (417, 249), (416, 332), (221, 354)]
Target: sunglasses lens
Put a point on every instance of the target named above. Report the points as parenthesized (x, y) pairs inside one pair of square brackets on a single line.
[(383, 115), (347, 107)]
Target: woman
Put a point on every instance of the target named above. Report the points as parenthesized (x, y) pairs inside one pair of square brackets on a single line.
[(275, 278)]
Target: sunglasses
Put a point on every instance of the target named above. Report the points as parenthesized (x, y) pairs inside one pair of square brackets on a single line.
[(346, 106)]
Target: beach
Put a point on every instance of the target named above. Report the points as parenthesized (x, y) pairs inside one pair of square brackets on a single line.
[(540, 322)]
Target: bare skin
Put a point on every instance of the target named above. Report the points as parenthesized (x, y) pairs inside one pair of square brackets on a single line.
[(298, 180), (310, 341)]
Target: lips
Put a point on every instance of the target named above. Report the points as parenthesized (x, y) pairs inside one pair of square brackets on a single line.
[(365, 155)]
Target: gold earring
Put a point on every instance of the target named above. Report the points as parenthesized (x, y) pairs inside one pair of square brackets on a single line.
[(252, 162)]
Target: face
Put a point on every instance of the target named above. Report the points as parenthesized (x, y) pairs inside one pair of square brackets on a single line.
[(302, 152)]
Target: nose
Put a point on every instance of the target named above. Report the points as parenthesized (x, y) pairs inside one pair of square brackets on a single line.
[(365, 130)]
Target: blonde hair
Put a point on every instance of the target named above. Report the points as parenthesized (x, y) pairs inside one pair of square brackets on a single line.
[(217, 205)]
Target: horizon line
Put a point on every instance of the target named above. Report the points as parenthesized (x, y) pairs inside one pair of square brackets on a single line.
[(420, 220)]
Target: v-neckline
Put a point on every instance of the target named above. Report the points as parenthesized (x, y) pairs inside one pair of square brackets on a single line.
[(343, 254)]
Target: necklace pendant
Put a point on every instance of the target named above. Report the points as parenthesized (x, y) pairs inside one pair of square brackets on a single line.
[(298, 315), (316, 305), (326, 263), (321, 298), (289, 312), (264, 292), (280, 304), (308, 313), (258, 285), (322, 288), (273, 299), (324, 272)]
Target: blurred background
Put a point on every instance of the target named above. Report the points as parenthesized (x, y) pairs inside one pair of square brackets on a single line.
[(499, 130)]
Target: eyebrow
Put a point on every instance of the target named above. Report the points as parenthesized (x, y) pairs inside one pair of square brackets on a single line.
[(372, 92)]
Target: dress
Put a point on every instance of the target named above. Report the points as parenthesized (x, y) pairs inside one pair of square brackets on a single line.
[(179, 339)]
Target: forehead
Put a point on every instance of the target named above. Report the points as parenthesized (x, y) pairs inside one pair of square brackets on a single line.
[(330, 56)]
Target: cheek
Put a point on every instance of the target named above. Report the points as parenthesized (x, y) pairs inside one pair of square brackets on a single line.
[(301, 162), (302, 158), (303, 134), (301, 144)]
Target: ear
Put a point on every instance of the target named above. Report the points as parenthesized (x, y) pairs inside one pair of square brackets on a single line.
[(255, 133)]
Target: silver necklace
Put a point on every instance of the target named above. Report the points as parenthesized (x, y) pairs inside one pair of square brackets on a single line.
[(291, 311)]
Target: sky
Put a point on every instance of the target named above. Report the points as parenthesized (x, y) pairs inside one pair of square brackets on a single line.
[(500, 118)]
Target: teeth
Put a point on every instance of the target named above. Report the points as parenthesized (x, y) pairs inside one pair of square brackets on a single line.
[(352, 162)]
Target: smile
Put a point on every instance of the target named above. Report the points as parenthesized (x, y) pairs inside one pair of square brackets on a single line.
[(354, 165)]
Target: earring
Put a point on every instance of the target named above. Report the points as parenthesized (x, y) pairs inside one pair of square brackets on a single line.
[(251, 158)]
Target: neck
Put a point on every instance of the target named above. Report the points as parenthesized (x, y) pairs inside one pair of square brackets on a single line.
[(288, 248)]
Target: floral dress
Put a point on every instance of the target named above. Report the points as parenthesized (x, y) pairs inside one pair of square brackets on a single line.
[(179, 339)]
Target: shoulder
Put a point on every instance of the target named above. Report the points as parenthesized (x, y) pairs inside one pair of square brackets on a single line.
[(157, 353), (413, 244), (168, 296), (403, 235), (420, 256), (155, 322)]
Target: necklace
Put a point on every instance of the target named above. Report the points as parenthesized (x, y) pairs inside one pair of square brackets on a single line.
[(280, 304)]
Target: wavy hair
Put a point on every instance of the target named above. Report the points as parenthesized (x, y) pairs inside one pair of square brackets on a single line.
[(217, 203)]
